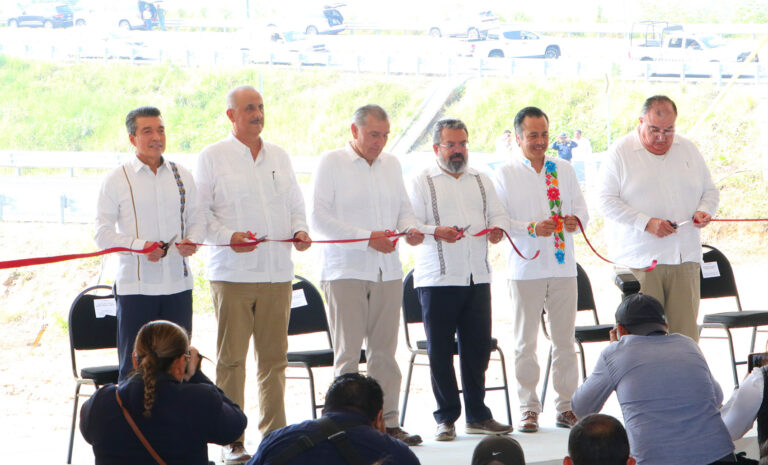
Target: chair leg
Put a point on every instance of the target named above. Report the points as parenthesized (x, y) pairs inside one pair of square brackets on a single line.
[(733, 359), (74, 421), (311, 380), (506, 384), (754, 336), (546, 379), (583, 363), (407, 389)]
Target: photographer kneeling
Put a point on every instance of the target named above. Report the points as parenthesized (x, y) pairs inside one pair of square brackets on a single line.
[(167, 411)]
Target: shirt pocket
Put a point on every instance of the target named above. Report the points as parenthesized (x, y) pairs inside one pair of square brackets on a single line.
[(280, 185)]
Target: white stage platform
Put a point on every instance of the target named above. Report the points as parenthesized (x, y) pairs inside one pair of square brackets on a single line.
[(547, 447)]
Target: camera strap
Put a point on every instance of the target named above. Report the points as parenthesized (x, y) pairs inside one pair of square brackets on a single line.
[(136, 430), (328, 430)]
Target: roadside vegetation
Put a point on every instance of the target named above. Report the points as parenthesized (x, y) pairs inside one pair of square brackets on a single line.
[(82, 107)]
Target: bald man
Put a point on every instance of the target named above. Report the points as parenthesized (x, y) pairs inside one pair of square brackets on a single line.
[(248, 189), (656, 193)]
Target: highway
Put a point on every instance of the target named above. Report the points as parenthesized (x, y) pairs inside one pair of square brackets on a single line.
[(377, 53)]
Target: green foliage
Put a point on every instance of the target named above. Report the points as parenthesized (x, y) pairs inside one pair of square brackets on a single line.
[(694, 11), (81, 107)]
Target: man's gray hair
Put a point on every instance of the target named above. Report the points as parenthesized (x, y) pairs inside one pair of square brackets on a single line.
[(446, 123), (360, 115), (231, 100), (130, 119), (651, 101)]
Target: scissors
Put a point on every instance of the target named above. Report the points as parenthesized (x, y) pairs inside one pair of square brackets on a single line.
[(461, 231), (677, 225), (166, 245)]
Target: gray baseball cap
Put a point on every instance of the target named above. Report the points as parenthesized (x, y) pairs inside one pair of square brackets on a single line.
[(641, 314)]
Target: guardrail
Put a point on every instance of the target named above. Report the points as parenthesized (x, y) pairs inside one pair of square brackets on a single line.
[(438, 65), (410, 27), (69, 196)]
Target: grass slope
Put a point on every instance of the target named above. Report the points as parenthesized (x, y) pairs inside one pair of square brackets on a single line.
[(81, 107)]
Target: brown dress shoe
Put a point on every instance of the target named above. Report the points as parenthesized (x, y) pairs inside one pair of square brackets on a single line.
[(489, 426), (401, 434), (566, 419), (530, 422), (235, 453)]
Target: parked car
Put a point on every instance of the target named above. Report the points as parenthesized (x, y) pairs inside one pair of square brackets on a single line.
[(516, 43), (47, 15), (267, 45), (329, 20), (123, 14), (657, 41), (113, 45), (473, 27)]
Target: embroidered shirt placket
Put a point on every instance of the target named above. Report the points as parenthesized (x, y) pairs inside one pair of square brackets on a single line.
[(485, 217), (436, 215)]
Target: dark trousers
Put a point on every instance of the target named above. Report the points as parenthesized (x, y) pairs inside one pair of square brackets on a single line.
[(134, 311), (458, 314)]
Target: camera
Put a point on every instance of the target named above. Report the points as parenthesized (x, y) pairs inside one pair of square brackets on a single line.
[(756, 360)]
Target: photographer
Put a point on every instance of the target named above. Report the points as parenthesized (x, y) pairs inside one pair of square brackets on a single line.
[(167, 411), (747, 404)]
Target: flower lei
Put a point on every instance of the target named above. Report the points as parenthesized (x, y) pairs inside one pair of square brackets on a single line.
[(555, 207)]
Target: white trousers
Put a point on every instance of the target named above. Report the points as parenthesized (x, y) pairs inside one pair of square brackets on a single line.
[(557, 296), (367, 311)]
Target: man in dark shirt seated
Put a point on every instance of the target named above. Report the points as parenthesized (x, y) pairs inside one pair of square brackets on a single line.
[(351, 430), (598, 439)]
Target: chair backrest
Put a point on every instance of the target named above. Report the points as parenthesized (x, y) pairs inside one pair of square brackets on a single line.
[(309, 318), (723, 285), (411, 306), (86, 330), (586, 299)]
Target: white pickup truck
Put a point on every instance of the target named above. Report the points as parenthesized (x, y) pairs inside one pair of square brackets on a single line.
[(516, 43), (673, 44)]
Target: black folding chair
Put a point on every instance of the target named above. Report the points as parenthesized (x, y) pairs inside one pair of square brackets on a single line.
[(90, 332), (724, 285), (412, 315), (583, 334), (308, 319)]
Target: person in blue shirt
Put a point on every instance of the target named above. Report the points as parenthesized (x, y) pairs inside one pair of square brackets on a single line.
[(356, 432), (564, 147), (668, 397)]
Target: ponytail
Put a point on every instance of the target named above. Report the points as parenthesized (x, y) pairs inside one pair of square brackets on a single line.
[(157, 345)]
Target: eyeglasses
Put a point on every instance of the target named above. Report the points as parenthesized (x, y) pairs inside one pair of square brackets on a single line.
[(656, 132), (187, 356), (451, 146)]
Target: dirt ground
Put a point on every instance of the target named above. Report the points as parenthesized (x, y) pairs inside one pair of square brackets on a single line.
[(37, 382)]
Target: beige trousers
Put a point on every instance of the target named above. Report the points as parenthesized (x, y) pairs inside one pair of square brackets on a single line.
[(259, 311), (367, 311), (677, 288), (558, 297)]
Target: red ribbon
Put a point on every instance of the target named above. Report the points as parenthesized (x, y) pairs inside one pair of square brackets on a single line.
[(61, 258), (389, 234), (586, 239), (488, 230), (735, 219), (256, 241)]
